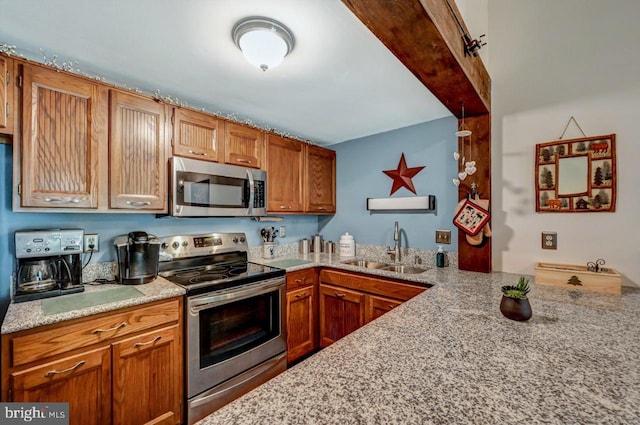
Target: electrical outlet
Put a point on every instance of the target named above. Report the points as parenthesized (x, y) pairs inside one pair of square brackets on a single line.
[(443, 236), (283, 231), (91, 239), (549, 240)]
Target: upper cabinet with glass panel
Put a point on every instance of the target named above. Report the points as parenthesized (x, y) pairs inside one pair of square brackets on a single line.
[(577, 175)]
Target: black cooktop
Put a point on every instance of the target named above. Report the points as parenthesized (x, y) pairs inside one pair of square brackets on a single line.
[(212, 277)]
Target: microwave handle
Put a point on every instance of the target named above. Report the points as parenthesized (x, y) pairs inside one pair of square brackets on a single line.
[(251, 189)]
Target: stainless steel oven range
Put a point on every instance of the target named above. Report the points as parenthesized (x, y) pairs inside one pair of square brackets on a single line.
[(235, 331)]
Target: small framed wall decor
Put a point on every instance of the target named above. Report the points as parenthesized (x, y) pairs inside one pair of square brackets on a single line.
[(577, 175), (471, 218)]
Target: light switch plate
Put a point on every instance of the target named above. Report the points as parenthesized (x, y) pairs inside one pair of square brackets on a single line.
[(282, 232), (549, 240), (443, 236)]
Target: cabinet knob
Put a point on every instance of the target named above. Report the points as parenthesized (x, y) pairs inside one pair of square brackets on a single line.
[(58, 372)]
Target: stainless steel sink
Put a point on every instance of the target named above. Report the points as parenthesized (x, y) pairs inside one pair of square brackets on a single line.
[(365, 263), (401, 268)]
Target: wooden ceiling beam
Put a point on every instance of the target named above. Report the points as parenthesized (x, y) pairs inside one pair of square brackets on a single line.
[(424, 36)]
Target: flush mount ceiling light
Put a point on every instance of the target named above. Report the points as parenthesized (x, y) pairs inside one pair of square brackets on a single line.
[(263, 41)]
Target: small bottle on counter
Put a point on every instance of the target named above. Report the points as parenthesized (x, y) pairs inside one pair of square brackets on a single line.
[(347, 245), (440, 257)]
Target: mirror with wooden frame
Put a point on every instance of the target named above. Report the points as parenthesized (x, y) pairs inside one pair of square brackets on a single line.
[(577, 175)]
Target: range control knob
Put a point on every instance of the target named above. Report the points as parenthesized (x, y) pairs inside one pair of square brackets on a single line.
[(163, 245), (185, 243), (242, 239), (175, 245), (235, 239)]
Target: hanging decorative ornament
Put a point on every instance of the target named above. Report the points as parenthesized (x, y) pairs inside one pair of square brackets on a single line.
[(462, 175), (456, 156), (470, 167), (456, 182)]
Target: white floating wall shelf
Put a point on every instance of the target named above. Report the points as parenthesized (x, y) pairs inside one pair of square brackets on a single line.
[(415, 203)]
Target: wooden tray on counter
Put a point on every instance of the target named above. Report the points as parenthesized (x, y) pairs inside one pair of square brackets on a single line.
[(579, 277)]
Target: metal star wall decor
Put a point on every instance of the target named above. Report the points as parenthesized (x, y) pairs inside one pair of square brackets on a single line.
[(402, 176)]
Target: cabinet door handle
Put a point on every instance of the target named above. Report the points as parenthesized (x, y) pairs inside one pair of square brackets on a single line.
[(300, 280), (141, 344), (340, 295), (115, 328), (391, 305), (244, 161), (58, 372), (138, 203), (198, 153), (285, 207), (62, 201), (322, 208), (304, 294)]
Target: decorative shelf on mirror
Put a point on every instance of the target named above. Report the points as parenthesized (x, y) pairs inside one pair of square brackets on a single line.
[(416, 203)]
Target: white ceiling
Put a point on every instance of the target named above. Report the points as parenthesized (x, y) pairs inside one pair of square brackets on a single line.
[(339, 82)]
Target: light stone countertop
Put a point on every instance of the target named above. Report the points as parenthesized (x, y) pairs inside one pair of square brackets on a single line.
[(449, 356), (27, 315)]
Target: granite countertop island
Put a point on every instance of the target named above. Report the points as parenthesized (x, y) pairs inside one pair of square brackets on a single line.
[(449, 356)]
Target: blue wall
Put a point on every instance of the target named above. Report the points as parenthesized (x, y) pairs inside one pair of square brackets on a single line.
[(360, 163)]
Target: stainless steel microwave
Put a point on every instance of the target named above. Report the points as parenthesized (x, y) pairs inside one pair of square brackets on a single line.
[(208, 189)]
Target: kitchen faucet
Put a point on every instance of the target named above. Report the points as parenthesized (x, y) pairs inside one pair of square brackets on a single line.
[(396, 244)]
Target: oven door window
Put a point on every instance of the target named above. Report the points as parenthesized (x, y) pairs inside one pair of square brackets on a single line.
[(229, 330), (201, 190)]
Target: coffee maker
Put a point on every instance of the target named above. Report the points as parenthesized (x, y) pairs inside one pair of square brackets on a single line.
[(48, 263), (137, 256)]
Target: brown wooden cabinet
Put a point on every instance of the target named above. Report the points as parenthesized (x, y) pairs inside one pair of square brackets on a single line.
[(63, 124), (148, 361), (119, 367), (137, 152), (285, 170), (320, 185), (197, 135), (84, 380), (341, 312), (243, 145), (349, 300), (302, 313), (7, 101), (301, 177)]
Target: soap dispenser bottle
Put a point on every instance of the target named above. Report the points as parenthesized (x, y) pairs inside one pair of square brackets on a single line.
[(440, 257)]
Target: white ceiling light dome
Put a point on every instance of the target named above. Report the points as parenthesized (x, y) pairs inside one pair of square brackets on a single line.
[(264, 42)]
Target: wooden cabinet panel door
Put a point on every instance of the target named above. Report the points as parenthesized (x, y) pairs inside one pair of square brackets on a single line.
[(377, 306), (147, 378), (321, 180), (84, 381), (243, 145), (7, 109), (285, 170), (341, 312), (300, 323), (197, 135), (63, 122), (137, 153)]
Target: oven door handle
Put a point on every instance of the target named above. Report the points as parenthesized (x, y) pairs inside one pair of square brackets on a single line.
[(234, 294), (251, 190)]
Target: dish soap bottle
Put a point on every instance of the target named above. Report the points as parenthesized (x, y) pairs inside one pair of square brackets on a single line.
[(440, 257), (347, 245)]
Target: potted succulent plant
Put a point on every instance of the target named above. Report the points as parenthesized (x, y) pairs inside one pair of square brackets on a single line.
[(515, 304)]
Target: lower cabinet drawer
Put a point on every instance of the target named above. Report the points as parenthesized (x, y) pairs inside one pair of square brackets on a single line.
[(65, 338)]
